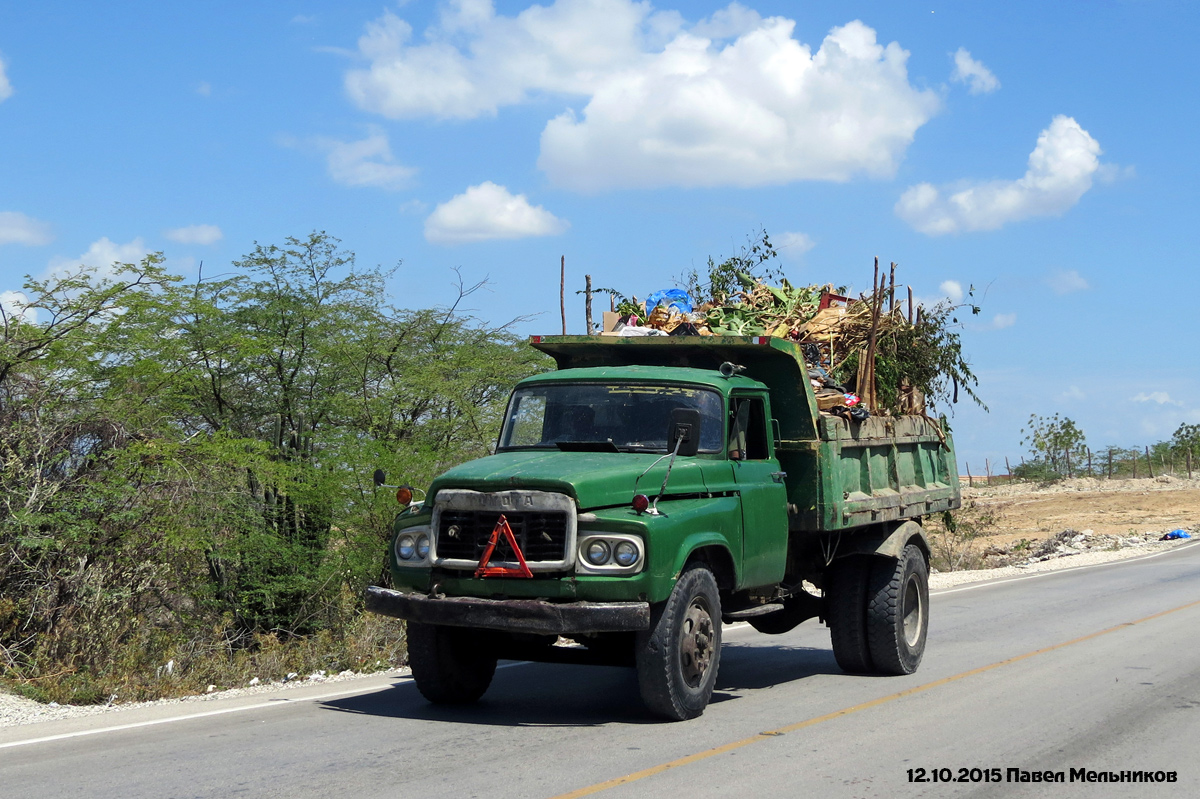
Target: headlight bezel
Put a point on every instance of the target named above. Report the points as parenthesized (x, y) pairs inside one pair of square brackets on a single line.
[(414, 536), (611, 541)]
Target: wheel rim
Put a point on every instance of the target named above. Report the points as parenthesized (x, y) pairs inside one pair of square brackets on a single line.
[(696, 643), (914, 611)]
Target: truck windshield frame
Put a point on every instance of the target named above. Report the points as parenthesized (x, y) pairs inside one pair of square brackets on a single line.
[(632, 417)]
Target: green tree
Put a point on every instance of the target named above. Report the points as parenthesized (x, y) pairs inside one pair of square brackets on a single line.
[(186, 467), (721, 281), (1057, 441)]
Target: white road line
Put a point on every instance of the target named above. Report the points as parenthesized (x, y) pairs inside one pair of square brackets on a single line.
[(283, 702)]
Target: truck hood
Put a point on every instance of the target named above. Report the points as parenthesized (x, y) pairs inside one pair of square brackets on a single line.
[(595, 479)]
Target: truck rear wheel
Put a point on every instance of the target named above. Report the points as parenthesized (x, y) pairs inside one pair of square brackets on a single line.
[(847, 590), (898, 612), (451, 665), (678, 657)]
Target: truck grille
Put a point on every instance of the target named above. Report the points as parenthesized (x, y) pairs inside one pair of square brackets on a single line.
[(464, 535)]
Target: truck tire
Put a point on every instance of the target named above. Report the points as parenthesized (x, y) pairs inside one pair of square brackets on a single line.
[(847, 588), (678, 657), (898, 611), (451, 665)]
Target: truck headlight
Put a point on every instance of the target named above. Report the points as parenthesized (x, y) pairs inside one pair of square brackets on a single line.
[(406, 547), (597, 552), (626, 553), (422, 546)]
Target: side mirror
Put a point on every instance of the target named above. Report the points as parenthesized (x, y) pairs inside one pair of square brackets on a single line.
[(684, 430), (380, 477)]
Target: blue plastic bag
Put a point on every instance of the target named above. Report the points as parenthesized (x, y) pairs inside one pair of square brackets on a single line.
[(673, 298), (1174, 535)]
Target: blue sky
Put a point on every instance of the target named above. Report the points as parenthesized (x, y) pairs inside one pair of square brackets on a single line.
[(1043, 153)]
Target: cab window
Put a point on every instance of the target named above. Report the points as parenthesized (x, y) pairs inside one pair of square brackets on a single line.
[(748, 429)]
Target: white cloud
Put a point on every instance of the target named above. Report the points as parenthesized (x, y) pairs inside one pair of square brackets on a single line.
[(488, 211), (6, 88), (1003, 320), (1067, 281), (979, 79), (17, 228), (472, 61), (195, 234), (367, 162), (728, 23), (1061, 168), (1072, 394), (793, 245), (734, 100), (761, 110), (1157, 397), (951, 290), (13, 304), (100, 257)]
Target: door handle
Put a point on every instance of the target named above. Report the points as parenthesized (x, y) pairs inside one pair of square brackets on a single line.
[(778, 476)]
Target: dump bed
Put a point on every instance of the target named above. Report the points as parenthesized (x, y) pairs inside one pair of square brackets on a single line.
[(839, 474)]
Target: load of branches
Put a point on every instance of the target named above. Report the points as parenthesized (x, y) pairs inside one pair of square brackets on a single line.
[(895, 356)]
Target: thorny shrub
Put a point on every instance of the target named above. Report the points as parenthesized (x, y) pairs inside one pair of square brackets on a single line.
[(954, 536)]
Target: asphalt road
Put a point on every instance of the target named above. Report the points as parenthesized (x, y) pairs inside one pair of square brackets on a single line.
[(1095, 668)]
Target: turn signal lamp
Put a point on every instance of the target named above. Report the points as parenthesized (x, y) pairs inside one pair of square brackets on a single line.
[(404, 495)]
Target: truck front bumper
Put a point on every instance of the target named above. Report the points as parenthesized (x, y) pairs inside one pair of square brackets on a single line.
[(511, 615)]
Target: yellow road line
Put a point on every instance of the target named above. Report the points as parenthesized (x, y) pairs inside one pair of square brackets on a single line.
[(763, 736)]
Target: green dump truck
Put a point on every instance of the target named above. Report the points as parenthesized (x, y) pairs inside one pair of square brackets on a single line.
[(653, 488)]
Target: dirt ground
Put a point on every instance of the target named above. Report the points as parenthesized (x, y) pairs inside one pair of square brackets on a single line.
[(1111, 508)]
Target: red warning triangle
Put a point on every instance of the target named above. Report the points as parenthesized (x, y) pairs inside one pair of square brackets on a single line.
[(485, 570)]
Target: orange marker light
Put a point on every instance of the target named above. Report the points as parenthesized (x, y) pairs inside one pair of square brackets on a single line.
[(404, 495)]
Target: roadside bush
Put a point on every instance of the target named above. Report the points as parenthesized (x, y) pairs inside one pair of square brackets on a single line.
[(955, 535)]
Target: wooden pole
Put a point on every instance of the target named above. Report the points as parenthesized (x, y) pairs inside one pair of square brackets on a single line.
[(1149, 462), (1007, 467), (892, 289), (868, 387), (987, 469), (587, 302), (970, 482), (1089, 454), (1189, 464), (1110, 463), (562, 292), (910, 305), (1069, 464)]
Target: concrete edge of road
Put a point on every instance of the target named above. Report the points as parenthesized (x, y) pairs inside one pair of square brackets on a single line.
[(153, 714), (984, 582)]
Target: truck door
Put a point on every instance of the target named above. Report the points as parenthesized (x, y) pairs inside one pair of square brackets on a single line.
[(762, 490)]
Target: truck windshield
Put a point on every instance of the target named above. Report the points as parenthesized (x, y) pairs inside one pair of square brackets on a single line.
[(630, 418)]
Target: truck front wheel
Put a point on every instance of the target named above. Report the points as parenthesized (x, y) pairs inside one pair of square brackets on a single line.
[(451, 665), (678, 657), (898, 612)]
